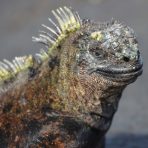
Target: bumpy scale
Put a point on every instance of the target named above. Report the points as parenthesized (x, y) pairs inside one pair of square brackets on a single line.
[(66, 97)]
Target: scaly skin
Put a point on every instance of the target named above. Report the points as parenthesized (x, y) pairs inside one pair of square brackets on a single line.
[(69, 100)]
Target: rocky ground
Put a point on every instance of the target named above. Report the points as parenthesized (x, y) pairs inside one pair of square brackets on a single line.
[(20, 19)]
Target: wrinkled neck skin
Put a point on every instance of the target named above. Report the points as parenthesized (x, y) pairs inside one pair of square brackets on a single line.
[(60, 101), (96, 101)]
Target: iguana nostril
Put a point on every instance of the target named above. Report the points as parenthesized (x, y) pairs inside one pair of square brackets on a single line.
[(126, 59)]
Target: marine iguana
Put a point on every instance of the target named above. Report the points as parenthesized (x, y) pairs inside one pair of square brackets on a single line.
[(66, 97)]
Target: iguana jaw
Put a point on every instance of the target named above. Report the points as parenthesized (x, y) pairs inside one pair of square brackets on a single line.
[(119, 72)]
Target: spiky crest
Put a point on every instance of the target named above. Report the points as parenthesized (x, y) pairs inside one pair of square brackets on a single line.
[(68, 21), (9, 69)]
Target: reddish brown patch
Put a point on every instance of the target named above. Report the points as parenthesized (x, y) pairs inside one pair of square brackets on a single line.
[(58, 144)]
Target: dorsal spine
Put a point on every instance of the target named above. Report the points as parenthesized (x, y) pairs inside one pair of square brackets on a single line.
[(68, 21)]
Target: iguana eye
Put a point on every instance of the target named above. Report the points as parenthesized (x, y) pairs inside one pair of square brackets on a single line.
[(98, 53)]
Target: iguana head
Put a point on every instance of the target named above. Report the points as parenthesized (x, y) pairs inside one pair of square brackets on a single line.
[(109, 50), (108, 60)]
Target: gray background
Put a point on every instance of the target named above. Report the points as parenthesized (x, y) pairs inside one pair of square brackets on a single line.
[(21, 19)]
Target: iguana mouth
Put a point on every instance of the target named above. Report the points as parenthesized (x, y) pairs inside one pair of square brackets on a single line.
[(121, 72)]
